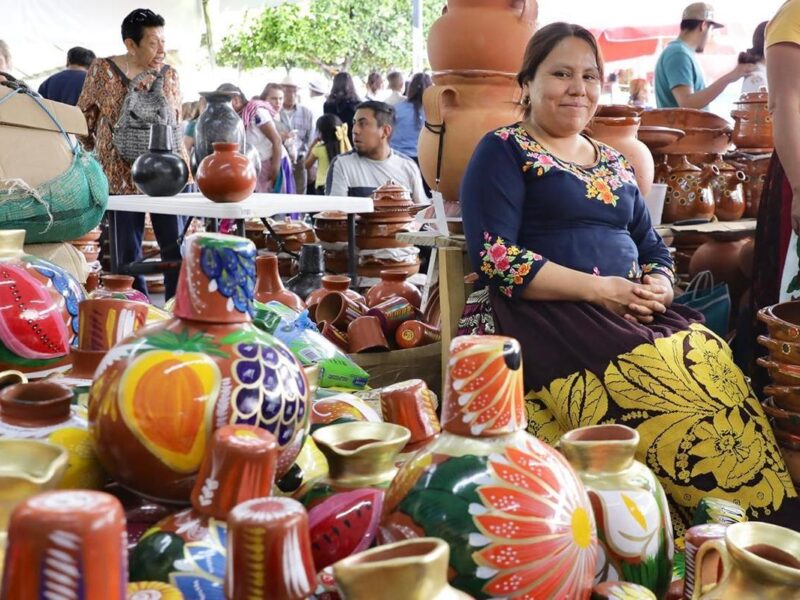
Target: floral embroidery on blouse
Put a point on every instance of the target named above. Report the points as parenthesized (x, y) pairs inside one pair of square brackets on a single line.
[(611, 172), (509, 263), (637, 271)]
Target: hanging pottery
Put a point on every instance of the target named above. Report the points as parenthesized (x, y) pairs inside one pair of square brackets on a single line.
[(516, 516), (630, 506), (38, 309), (159, 395)]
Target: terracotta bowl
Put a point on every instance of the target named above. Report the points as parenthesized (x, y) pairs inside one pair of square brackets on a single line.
[(789, 445), (784, 396), (618, 110), (681, 118), (376, 242), (785, 420), (373, 269), (656, 137), (781, 351), (701, 140), (782, 374), (782, 321)]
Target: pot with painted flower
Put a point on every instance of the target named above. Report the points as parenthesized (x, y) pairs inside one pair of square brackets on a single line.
[(689, 193), (479, 486)]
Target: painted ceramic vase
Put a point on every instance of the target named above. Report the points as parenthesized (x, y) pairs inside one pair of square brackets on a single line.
[(621, 590), (407, 570), (727, 187), (120, 287), (66, 544), (630, 506), (759, 560), (43, 410), (159, 395), (282, 567), (152, 590), (226, 175), (239, 466), (394, 283), (38, 309), (27, 467), (160, 171), (411, 404), (516, 516), (753, 128), (269, 285)]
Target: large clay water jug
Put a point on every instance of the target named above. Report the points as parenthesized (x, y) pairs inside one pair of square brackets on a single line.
[(620, 134)]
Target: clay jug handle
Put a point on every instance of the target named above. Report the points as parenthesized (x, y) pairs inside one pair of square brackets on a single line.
[(768, 342), (702, 587), (772, 390), (436, 99)]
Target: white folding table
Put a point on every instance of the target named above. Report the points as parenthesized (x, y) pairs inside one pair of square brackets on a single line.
[(257, 206)]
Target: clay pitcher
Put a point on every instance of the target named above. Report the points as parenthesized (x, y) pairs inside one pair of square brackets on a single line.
[(689, 195), (759, 560), (269, 285), (726, 185), (620, 134)]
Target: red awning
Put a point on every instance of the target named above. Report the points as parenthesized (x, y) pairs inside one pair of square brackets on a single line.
[(622, 43)]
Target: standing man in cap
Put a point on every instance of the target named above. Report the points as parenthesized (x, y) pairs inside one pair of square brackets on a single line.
[(298, 123), (679, 78)]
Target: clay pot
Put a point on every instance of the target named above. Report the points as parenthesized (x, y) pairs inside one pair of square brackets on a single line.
[(226, 175), (334, 283), (695, 537), (334, 335), (48, 296), (782, 321), (753, 129), (489, 461), (269, 286), (284, 551), (339, 309), (118, 286), (621, 590), (726, 185), (603, 457), (689, 195), (410, 404), (785, 397), (160, 171), (365, 335), (391, 196), (413, 334), (470, 105), (783, 374), (394, 283), (620, 134), (219, 367), (781, 351), (789, 446), (80, 534), (311, 271), (292, 234), (721, 257), (656, 137), (618, 110), (391, 313), (756, 168), (681, 118), (331, 226), (489, 36), (90, 250)]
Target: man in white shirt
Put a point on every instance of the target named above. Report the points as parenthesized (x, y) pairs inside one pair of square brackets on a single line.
[(375, 89), (396, 85), (372, 163)]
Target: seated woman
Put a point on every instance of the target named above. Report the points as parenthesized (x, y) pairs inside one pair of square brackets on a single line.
[(573, 268)]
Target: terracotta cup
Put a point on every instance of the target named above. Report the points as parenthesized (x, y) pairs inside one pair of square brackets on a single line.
[(410, 404), (391, 313), (339, 310), (335, 335), (66, 540), (695, 537), (366, 335), (415, 333), (35, 404), (269, 551), (103, 322)]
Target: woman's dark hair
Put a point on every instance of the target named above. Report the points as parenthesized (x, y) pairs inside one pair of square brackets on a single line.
[(326, 125), (419, 83), (268, 88), (373, 78), (343, 88), (134, 24), (756, 53), (542, 43)]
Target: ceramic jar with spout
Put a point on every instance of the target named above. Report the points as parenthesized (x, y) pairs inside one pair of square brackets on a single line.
[(689, 193), (218, 367), (489, 489), (727, 186), (755, 167), (629, 504), (620, 134), (269, 285), (226, 175)]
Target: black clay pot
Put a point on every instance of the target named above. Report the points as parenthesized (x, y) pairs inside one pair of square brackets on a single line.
[(160, 172), (312, 269), (217, 123)]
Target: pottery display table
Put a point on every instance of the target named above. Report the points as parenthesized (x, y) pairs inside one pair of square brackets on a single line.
[(257, 206), (742, 226)]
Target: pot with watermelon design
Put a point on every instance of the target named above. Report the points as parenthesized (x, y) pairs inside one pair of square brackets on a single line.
[(38, 310), (159, 395), (516, 516)]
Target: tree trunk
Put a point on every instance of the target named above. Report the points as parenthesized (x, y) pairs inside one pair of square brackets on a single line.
[(208, 36)]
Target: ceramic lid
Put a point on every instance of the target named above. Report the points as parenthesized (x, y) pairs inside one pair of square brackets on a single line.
[(330, 215), (391, 195), (289, 227)]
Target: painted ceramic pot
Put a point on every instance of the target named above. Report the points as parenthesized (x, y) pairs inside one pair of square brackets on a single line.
[(341, 408), (394, 283), (226, 175), (689, 193), (753, 127), (621, 590), (407, 570), (755, 168), (782, 321), (219, 367), (239, 466), (620, 134), (269, 285), (38, 309), (283, 568), (515, 515), (630, 506), (217, 123), (152, 590), (411, 405), (331, 226), (160, 171), (727, 187), (120, 287), (66, 540), (413, 334), (43, 410), (334, 283), (760, 560)]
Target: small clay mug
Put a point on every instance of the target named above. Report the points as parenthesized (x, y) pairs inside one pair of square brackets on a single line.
[(414, 333), (333, 334), (339, 310), (35, 404), (695, 537), (391, 313), (366, 335), (410, 404)]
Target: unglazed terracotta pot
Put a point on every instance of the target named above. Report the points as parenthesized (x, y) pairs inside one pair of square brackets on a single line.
[(334, 283), (118, 286), (365, 334), (407, 570), (226, 175), (283, 567), (66, 540), (269, 285), (410, 404), (239, 466), (218, 368), (753, 129), (488, 488), (630, 506), (470, 105), (394, 283), (620, 134), (689, 194), (760, 560), (292, 235), (782, 320), (38, 309), (756, 168), (489, 35)]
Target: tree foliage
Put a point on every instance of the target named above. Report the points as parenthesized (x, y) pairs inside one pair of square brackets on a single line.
[(332, 35)]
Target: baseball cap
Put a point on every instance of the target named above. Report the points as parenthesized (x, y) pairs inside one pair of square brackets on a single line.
[(701, 11)]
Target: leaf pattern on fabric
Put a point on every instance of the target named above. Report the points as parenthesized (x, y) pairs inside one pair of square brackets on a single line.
[(584, 397)]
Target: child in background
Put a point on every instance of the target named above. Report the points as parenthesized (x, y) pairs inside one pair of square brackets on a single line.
[(331, 141)]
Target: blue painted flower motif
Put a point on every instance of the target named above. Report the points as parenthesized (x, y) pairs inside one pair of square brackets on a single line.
[(232, 269), (201, 572)]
